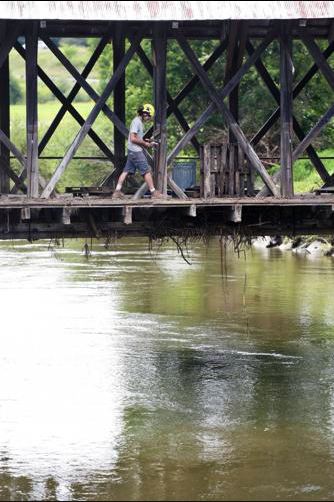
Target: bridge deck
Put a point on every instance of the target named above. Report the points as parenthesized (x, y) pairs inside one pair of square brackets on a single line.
[(96, 216), (22, 201)]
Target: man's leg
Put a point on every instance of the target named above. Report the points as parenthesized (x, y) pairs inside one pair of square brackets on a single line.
[(118, 192), (149, 181), (121, 180), (155, 194)]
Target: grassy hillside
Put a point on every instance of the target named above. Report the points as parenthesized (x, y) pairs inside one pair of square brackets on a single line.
[(78, 56)]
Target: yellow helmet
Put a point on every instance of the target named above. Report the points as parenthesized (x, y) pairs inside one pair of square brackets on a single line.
[(148, 108)]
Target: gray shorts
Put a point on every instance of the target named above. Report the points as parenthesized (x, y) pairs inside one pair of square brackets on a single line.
[(136, 162)]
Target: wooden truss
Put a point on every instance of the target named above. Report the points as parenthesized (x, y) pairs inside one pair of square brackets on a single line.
[(235, 43)]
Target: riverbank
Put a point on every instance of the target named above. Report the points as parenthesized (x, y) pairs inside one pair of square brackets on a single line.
[(314, 245)]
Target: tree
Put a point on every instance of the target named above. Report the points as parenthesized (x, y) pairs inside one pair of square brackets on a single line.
[(15, 91)]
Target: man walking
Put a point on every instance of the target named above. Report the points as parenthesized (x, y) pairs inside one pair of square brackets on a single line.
[(136, 158)]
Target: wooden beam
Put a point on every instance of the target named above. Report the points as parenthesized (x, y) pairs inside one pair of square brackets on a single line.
[(85, 85), (176, 189), (286, 68), (93, 114), (25, 213), (297, 128), (160, 101), (170, 182), (140, 192), (14, 31), (235, 53), (15, 151), (127, 215), (314, 132), (66, 215), (191, 211), (296, 91), (71, 96), (17, 180), (4, 113), (67, 105), (235, 214), (223, 94), (119, 100), (207, 171), (218, 101), (32, 107), (317, 55)]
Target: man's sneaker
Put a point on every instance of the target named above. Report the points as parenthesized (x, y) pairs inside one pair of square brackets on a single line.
[(118, 195), (157, 195)]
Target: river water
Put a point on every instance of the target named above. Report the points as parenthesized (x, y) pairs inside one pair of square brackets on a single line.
[(131, 375)]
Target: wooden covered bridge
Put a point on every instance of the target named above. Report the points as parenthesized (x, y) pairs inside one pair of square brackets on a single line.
[(234, 187)]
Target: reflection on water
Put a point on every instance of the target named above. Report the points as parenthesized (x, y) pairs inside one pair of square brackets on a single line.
[(134, 376)]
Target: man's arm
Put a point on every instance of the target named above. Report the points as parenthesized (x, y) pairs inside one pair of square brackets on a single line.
[(137, 141)]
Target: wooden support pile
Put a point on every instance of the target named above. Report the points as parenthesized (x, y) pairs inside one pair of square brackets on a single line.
[(225, 171)]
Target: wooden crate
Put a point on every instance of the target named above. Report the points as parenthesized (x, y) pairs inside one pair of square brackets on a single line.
[(225, 171)]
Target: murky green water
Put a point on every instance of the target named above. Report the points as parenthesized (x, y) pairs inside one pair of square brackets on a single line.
[(134, 376)]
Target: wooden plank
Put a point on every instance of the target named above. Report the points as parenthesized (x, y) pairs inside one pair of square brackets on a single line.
[(286, 99), (223, 94), (93, 114), (32, 109), (4, 113), (242, 172), (250, 179), (216, 97), (207, 172), (223, 169), (231, 173)]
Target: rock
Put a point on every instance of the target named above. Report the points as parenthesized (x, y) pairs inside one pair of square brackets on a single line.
[(261, 242), (319, 248)]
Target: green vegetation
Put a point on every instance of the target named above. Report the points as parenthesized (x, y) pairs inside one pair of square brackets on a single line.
[(256, 105)]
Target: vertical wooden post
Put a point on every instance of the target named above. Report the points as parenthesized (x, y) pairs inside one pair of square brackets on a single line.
[(119, 98), (160, 103), (31, 105), (235, 54), (231, 64), (286, 99), (4, 113)]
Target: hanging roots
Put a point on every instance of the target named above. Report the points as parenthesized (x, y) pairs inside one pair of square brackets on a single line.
[(167, 230)]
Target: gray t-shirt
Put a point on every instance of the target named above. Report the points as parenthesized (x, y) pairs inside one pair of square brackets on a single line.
[(137, 127)]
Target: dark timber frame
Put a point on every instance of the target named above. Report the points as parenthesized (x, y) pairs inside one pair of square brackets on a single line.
[(244, 44)]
